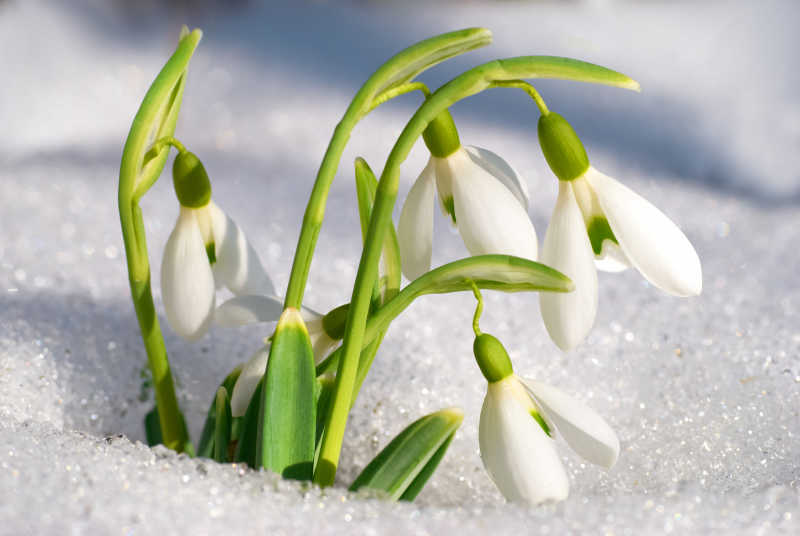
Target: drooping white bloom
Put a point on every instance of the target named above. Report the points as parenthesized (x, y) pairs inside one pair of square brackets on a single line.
[(206, 250), (598, 223), (520, 456), (484, 198)]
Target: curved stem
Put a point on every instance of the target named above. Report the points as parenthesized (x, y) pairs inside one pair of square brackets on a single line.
[(395, 72), (464, 85), (166, 141), (476, 319), (527, 88)]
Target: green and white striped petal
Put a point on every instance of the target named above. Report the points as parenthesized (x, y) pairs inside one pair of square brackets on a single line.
[(518, 455), (585, 431), (649, 239)]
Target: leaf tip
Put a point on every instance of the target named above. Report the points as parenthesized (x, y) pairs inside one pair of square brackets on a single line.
[(290, 319), (454, 414)]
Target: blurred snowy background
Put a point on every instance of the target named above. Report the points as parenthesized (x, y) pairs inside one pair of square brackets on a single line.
[(704, 393)]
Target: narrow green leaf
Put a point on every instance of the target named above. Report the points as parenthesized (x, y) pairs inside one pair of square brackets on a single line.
[(222, 431), (564, 69), (248, 433), (407, 457), (287, 418), (492, 272), (152, 428), (416, 486), (205, 449), (366, 186)]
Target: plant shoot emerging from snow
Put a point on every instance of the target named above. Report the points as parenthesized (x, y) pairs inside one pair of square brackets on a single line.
[(286, 408)]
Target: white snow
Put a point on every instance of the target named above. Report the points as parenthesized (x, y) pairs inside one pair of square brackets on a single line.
[(703, 393)]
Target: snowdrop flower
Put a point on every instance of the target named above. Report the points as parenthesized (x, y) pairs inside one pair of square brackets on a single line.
[(205, 250), (518, 421), (599, 223), (478, 190)]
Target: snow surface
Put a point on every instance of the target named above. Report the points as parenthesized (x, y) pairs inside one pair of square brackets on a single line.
[(704, 392)]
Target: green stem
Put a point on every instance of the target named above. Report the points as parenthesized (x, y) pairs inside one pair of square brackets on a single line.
[(476, 319), (464, 85), (139, 169), (394, 73), (165, 141), (173, 430), (527, 88)]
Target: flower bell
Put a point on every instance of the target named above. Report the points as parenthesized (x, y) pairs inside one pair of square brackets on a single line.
[(598, 223), (206, 250), (483, 196), (518, 421)]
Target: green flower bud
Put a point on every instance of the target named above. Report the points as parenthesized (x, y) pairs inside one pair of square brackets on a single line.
[(191, 181), (562, 148), (334, 322), (441, 135), (492, 358)]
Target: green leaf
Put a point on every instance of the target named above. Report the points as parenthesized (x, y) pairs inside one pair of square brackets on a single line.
[(205, 449), (563, 69), (366, 186), (248, 432), (407, 64), (419, 482), (152, 428), (155, 119), (493, 272), (287, 418), (405, 464), (222, 430)]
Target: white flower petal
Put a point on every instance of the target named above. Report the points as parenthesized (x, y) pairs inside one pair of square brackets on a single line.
[(489, 218), (569, 316), (520, 458), (652, 242), (248, 309), (612, 258), (581, 427), (501, 170), (246, 384), (415, 228), (238, 266), (187, 284)]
